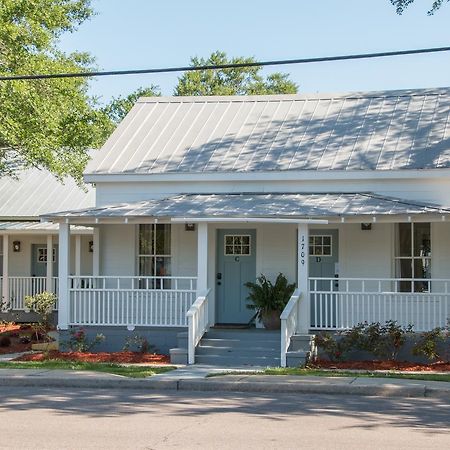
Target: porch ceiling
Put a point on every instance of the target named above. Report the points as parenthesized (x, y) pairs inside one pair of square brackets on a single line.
[(274, 205)]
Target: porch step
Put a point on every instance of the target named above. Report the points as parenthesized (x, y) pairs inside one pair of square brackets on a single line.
[(229, 347)]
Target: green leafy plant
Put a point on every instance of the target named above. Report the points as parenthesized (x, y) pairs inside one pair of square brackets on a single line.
[(334, 348), (429, 342), (79, 341), (138, 343), (267, 298), (43, 305)]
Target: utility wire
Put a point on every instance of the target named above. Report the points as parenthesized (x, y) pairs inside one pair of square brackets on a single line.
[(223, 66)]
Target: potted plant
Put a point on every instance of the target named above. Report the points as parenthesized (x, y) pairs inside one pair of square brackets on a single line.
[(269, 299)]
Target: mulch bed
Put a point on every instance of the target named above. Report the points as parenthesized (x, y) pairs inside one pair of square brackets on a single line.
[(384, 365), (101, 357), (13, 331)]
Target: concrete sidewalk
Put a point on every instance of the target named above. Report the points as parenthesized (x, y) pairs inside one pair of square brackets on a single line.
[(193, 378)]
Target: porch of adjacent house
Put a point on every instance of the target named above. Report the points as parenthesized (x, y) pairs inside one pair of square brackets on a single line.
[(24, 268), (180, 288)]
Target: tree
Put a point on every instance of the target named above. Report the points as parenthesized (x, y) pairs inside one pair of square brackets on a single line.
[(234, 81), (401, 5), (45, 123), (119, 107)]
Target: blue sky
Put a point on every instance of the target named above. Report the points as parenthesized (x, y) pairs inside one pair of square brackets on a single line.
[(143, 33)]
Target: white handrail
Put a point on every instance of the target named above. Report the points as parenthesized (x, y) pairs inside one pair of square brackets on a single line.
[(289, 323), (198, 322)]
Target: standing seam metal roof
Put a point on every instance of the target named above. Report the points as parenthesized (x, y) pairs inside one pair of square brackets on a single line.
[(388, 130)]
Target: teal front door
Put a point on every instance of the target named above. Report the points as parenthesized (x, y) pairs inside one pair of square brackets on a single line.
[(39, 260), (236, 264), (323, 263)]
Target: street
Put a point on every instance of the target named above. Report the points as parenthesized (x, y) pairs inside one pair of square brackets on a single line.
[(80, 418)]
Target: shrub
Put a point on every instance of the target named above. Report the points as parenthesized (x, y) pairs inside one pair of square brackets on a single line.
[(5, 341), (137, 343), (79, 342), (334, 348), (43, 305), (428, 344)]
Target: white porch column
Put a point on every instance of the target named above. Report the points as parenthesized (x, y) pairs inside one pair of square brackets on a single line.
[(96, 253), (302, 277), (202, 258), (64, 271), (78, 255), (49, 281), (5, 284)]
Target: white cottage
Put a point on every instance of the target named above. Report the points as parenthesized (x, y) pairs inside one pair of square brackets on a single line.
[(25, 242), (345, 194)]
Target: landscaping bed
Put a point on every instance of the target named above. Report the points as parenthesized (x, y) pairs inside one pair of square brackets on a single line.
[(12, 338), (101, 357), (402, 366)]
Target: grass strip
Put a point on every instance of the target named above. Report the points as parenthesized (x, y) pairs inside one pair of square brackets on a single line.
[(337, 373), (116, 369)]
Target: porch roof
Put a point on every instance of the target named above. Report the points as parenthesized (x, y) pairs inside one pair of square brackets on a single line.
[(36, 228), (269, 205)]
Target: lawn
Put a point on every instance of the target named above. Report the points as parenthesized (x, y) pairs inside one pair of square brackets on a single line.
[(341, 373), (116, 369)]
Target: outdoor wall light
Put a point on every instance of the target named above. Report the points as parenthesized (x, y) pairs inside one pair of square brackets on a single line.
[(189, 227), (366, 226), (16, 246), (91, 246)]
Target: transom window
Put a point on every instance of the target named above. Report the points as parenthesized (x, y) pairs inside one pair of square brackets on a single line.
[(154, 258), (42, 255), (413, 256), (237, 245), (320, 245)]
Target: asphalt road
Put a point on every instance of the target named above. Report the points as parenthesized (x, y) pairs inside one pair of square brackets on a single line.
[(34, 418)]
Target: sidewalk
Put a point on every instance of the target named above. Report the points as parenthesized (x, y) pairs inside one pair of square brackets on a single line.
[(193, 378)]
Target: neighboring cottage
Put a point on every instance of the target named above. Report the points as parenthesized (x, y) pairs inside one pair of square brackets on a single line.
[(346, 194), (25, 242)]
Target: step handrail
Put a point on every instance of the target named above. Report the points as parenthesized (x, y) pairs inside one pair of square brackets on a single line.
[(289, 323), (198, 323)]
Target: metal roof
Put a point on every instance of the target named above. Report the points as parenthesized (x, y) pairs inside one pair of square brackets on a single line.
[(257, 205), (31, 227), (37, 192), (388, 130)]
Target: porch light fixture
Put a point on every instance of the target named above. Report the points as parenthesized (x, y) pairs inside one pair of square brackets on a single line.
[(16, 246), (189, 227), (91, 246), (366, 226)]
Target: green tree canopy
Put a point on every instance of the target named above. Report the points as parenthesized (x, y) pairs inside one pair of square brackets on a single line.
[(119, 107), (45, 123), (234, 81), (401, 5)]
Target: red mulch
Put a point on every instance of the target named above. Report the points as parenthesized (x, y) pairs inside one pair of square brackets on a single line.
[(13, 331), (114, 357), (384, 365)]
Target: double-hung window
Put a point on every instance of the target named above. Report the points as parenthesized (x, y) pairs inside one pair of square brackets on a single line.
[(413, 256), (154, 259)]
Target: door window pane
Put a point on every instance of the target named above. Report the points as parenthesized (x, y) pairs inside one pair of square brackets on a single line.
[(237, 245)]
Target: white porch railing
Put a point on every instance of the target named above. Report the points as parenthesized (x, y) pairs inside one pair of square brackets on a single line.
[(289, 323), (20, 287), (198, 322), (341, 303), (130, 301)]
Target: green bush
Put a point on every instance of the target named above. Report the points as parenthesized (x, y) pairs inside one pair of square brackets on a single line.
[(428, 344), (43, 305), (79, 342)]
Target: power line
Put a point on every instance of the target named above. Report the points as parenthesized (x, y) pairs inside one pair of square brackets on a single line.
[(223, 66)]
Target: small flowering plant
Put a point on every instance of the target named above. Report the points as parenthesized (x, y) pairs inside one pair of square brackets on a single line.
[(80, 342)]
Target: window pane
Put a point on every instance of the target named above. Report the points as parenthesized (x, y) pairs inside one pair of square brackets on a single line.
[(327, 240), (404, 270), (422, 269), (146, 266), (246, 240), (229, 240), (326, 250), (162, 267), (146, 239), (422, 239), (162, 239), (245, 250), (404, 240)]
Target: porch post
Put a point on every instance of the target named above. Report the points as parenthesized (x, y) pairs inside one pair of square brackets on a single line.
[(49, 281), (202, 258), (77, 255), (302, 277), (64, 271), (96, 252), (5, 285)]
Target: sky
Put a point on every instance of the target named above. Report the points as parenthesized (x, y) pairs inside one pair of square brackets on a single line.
[(138, 34)]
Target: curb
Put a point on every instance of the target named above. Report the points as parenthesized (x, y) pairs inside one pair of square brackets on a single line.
[(202, 385)]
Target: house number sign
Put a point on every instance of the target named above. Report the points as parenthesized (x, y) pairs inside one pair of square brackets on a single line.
[(302, 249)]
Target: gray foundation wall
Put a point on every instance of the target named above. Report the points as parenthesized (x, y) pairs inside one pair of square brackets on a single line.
[(162, 339), (25, 317)]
